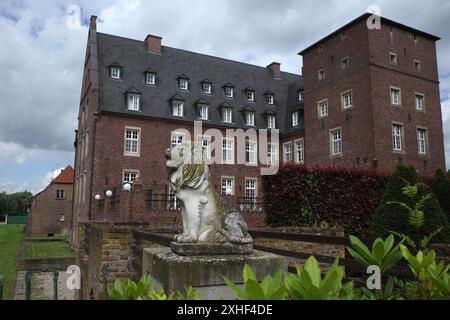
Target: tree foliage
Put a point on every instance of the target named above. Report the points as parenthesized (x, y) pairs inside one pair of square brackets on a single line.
[(18, 202)]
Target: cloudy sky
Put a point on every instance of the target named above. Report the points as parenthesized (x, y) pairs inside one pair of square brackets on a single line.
[(43, 45)]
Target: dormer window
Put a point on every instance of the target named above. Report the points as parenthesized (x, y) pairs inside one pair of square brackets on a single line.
[(183, 83), (295, 118), (249, 118), (133, 99), (300, 95), (206, 87), (133, 102), (150, 78), (271, 122), (177, 108), (250, 95), (270, 98), (116, 72), (227, 115), (228, 90), (203, 111)]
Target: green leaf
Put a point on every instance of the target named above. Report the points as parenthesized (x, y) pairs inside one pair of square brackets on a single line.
[(248, 273), (378, 251), (313, 269)]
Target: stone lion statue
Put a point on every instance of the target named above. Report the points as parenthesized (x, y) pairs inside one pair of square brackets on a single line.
[(206, 219)]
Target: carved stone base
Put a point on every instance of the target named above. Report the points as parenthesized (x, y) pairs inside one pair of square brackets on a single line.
[(208, 249), (205, 273)]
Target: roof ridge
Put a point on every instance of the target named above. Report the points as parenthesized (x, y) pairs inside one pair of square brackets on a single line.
[(204, 54)]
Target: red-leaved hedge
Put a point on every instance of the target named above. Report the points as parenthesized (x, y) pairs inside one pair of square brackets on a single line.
[(346, 198)]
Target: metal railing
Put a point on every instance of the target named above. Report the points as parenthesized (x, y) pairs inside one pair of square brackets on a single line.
[(245, 204), (162, 201)]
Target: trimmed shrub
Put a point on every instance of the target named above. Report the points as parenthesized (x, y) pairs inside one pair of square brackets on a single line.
[(346, 198), (392, 217), (441, 188)]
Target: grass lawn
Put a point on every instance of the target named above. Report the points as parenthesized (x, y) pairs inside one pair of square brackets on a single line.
[(47, 249), (10, 238)]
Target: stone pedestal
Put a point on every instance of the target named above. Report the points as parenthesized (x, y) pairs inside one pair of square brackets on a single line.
[(208, 249), (205, 273)]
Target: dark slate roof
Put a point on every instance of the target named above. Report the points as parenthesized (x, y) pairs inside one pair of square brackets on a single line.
[(365, 16), (134, 59)]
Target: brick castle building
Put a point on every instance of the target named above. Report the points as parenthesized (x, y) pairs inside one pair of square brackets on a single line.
[(51, 209), (367, 98)]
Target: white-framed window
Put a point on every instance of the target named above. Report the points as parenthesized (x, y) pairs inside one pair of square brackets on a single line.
[(323, 108), (250, 118), (295, 116), (417, 65), (177, 108), (420, 102), (150, 78), (272, 154), (422, 140), (132, 141), (336, 142), (206, 88), (299, 150), (204, 142), (229, 92), (271, 122), (227, 186), (61, 217), (250, 95), (287, 152), (183, 84), (345, 63), (396, 98), (397, 137), (130, 175), (203, 112), (227, 151), (251, 191), (300, 95), (59, 194), (250, 152), (347, 99), (392, 58), (227, 115), (116, 72), (270, 99), (321, 74), (134, 102), (176, 139)]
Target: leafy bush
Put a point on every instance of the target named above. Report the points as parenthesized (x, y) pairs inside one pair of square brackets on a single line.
[(144, 290), (308, 284), (441, 188), (389, 217), (269, 289), (347, 198)]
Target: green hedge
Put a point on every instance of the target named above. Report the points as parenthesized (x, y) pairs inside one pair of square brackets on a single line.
[(391, 217)]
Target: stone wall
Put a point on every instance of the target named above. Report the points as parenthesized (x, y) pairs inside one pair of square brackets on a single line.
[(103, 246)]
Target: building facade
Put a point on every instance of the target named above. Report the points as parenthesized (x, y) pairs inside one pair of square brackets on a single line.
[(372, 98), (51, 209), (367, 98)]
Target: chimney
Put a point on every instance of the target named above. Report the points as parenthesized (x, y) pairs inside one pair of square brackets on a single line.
[(153, 43), (274, 68), (93, 24)]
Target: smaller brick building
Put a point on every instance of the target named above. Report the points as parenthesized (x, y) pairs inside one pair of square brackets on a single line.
[(51, 209)]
